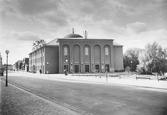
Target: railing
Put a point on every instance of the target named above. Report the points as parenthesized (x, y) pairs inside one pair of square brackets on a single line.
[(96, 74)]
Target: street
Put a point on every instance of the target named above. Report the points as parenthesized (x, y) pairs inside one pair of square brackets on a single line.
[(98, 99)]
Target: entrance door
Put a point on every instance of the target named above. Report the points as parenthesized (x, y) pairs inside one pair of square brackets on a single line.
[(66, 67), (97, 68), (86, 68), (76, 68), (107, 67), (33, 69)]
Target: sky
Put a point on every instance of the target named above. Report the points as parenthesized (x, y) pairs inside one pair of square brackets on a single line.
[(131, 23)]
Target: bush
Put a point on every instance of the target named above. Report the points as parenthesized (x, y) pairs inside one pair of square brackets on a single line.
[(121, 70), (127, 69), (146, 73), (116, 70)]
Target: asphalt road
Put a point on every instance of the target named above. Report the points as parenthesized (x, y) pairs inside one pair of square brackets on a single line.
[(98, 99)]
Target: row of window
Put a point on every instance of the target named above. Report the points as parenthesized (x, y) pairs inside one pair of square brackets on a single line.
[(86, 51), (36, 56), (38, 60)]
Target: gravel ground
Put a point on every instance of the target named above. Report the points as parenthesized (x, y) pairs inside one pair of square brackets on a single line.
[(17, 102)]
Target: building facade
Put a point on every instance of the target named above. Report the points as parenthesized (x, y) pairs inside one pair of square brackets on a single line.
[(44, 59), (81, 55), (77, 54)]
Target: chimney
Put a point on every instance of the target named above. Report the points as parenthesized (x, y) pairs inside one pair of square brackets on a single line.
[(73, 30), (85, 34)]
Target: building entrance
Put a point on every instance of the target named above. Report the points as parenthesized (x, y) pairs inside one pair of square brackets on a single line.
[(33, 69), (107, 67), (97, 68), (86, 68), (76, 68)]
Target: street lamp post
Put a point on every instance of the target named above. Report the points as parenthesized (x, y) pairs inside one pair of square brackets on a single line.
[(7, 52)]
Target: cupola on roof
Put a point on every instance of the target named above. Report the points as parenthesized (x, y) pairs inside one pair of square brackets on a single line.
[(73, 35)]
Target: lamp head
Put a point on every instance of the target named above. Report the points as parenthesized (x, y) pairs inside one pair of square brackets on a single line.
[(7, 51)]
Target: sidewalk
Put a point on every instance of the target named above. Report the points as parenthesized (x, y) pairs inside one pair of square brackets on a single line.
[(15, 101), (128, 81)]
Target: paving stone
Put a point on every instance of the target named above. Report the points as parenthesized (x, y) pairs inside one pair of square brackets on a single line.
[(17, 102)]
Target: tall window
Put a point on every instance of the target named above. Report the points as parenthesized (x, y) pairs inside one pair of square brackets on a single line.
[(86, 51), (106, 51), (65, 51)]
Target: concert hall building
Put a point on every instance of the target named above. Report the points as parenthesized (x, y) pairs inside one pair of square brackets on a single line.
[(77, 54)]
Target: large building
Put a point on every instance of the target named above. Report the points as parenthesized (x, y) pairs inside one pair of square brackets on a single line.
[(45, 58), (77, 54), (25, 64)]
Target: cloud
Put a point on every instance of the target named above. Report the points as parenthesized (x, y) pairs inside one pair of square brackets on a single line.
[(46, 11), (30, 7), (21, 36), (24, 47), (96, 9), (141, 39), (54, 19), (160, 36), (137, 27), (98, 17), (27, 36), (59, 13)]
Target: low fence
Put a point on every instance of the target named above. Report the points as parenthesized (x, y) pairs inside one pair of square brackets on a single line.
[(121, 75), (97, 74), (157, 76)]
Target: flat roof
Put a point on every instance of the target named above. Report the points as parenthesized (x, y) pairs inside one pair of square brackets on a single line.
[(84, 39)]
